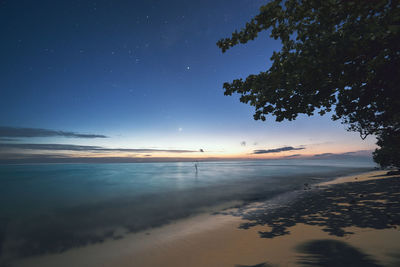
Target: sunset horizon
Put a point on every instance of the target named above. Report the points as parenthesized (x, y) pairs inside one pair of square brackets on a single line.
[(31, 145)]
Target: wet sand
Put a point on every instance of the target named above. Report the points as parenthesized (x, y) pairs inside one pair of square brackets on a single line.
[(353, 221)]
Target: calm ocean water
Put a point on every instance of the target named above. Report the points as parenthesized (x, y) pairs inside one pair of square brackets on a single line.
[(49, 208)]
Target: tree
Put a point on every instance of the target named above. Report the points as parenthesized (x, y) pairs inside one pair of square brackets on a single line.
[(388, 153), (338, 56)]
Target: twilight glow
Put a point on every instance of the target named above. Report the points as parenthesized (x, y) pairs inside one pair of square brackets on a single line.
[(125, 81)]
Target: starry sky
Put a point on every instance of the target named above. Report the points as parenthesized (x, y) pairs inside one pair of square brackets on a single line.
[(141, 79)]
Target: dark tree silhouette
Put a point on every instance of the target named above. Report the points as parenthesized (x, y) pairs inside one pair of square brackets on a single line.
[(340, 56), (388, 153)]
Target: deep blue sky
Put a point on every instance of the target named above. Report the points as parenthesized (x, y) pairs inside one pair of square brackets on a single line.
[(148, 74)]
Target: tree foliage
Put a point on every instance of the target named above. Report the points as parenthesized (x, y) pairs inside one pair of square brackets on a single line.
[(337, 55), (388, 153)]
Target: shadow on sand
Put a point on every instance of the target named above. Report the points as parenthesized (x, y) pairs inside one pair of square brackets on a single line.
[(257, 265), (369, 204), (333, 253), (328, 253)]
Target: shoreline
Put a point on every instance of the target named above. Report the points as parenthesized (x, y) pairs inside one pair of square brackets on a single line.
[(222, 240)]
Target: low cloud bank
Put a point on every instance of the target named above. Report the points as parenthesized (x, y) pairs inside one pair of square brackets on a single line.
[(277, 150), (61, 147), (12, 132)]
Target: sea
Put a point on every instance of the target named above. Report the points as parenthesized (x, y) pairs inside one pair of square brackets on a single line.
[(51, 208)]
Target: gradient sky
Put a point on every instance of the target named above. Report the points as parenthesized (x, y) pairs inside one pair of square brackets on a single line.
[(146, 74)]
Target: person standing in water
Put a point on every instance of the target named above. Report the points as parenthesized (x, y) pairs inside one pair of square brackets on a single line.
[(195, 166)]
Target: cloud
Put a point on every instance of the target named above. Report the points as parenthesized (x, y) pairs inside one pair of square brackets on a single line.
[(201, 150), (277, 150), (37, 132), (323, 155), (243, 143), (345, 155), (5, 139), (60, 147), (7, 156), (292, 156)]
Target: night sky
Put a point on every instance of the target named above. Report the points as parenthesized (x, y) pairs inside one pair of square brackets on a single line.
[(141, 79)]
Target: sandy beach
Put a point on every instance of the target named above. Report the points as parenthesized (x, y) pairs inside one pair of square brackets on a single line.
[(350, 221)]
